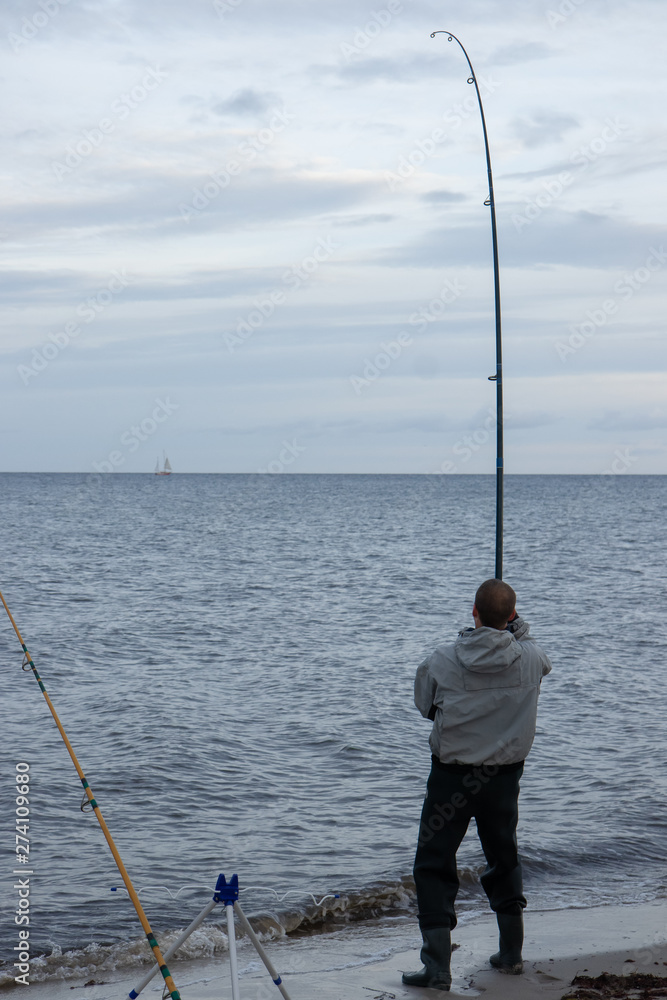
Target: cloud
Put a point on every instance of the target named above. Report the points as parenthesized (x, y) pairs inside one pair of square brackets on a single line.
[(529, 419), (53, 287), (404, 68), (649, 418), (551, 170), (520, 52), (39, 287), (443, 196), (581, 239), (147, 204), (352, 120), (542, 128), (247, 101), (357, 221)]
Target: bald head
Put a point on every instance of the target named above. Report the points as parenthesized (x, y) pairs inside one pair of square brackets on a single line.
[(495, 601)]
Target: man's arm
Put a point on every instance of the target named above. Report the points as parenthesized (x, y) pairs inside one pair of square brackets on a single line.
[(520, 629), (425, 690)]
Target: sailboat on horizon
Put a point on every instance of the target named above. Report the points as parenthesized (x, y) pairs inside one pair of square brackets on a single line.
[(166, 469)]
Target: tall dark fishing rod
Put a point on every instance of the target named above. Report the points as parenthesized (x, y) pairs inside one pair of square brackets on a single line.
[(498, 377), (166, 975)]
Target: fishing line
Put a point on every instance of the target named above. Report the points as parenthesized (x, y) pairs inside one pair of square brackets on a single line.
[(170, 986), (246, 888)]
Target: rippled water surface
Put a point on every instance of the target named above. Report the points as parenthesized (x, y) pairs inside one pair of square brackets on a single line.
[(232, 658)]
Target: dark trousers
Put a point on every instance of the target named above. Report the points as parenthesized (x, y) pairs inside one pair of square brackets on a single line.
[(454, 794)]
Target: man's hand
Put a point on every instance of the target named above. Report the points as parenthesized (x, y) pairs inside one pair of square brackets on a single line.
[(513, 622), (516, 625)]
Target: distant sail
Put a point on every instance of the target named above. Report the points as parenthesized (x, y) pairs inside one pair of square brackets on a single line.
[(166, 470), (167, 467)]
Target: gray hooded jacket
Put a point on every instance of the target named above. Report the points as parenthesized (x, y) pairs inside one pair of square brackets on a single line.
[(483, 689)]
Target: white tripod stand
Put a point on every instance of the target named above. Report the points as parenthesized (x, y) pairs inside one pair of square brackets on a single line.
[(228, 894)]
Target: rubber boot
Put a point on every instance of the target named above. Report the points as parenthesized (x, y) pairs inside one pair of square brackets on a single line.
[(508, 959), (436, 955)]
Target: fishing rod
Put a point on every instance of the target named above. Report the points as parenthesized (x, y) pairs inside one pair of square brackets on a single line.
[(166, 975), (498, 377)]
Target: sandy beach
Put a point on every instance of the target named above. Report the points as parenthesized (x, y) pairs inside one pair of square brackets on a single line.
[(339, 965)]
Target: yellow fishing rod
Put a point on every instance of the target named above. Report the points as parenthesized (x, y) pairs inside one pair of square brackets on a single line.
[(166, 975)]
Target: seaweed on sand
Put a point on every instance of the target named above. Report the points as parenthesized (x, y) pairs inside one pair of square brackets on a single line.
[(635, 986)]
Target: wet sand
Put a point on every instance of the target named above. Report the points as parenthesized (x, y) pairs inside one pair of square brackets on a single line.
[(360, 961)]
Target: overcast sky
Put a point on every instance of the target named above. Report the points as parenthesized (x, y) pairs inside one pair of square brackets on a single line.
[(251, 234)]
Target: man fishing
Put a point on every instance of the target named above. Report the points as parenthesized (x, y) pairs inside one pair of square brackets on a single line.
[(481, 694)]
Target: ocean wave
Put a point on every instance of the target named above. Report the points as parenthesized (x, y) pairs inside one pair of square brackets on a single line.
[(383, 898)]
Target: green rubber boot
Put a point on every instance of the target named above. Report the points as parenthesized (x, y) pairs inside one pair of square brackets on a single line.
[(508, 959), (436, 955)]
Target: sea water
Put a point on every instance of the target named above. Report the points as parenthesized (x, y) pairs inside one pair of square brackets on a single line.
[(232, 658)]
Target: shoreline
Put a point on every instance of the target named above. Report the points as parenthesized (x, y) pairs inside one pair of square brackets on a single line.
[(366, 960)]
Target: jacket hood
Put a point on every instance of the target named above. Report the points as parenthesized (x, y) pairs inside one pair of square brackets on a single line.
[(486, 650)]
